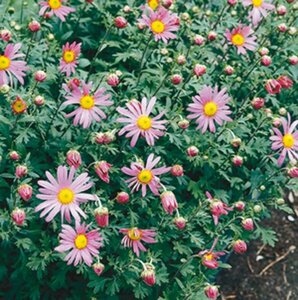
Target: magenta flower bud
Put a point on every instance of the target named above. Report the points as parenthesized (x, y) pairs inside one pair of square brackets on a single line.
[(293, 60), (199, 70), (34, 26), (39, 100), (73, 158), (5, 35), (14, 155), (239, 205), (285, 82), (192, 151), (177, 170), (21, 171), (122, 198), (169, 202), (25, 191), (263, 51), (73, 83), (211, 291), (183, 124), (272, 86), (176, 79), (89, 1), (40, 76), (148, 275), (236, 142), (229, 70), (282, 27), (281, 10), (98, 268), (199, 40), (237, 161), (101, 216), (266, 60), (258, 103), (181, 60), (102, 169), (232, 2), (113, 79), (248, 224), (276, 122), (167, 3), (100, 138), (120, 22), (293, 172), (240, 247), (18, 216), (180, 222), (212, 36)]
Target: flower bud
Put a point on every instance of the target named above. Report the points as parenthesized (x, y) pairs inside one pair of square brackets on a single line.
[(212, 36), (148, 275), (280, 201), (239, 247), (5, 35), (98, 268), (199, 70), (21, 171), (257, 208), (180, 222), (273, 86), (39, 100), (127, 9), (25, 191), (237, 161), (18, 216), (34, 26), (167, 3), (40, 76), (183, 124), (199, 40), (276, 122), (122, 198), (176, 79), (14, 155), (236, 142), (263, 51), (282, 111), (169, 202), (266, 60), (285, 81), (211, 291), (4, 89), (177, 170), (51, 37), (282, 27), (102, 216), (232, 2), (248, 224), (181, 60), (73, 158), (258, 103), (102, 169), (113, 79), (293, 60), (239, 205), (229, 70), (281, 10), (120, 22), (192, 151), (293, 172)]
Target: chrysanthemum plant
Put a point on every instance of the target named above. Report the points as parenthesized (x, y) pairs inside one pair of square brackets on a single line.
[(141, 142)]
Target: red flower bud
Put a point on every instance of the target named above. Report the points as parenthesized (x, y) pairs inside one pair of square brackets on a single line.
[(122, 198), (239, 247), (102, 216), (177, 170)]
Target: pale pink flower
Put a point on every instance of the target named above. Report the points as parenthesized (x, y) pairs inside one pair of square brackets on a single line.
[(259, 10), (145, 175), (10, 66), (287, 142), (161, 22), (88, 102), (64, 194), (134, 236), (210, 106), (69, 60), (139, 122), (242, 38), (56, 8), (83, 245)]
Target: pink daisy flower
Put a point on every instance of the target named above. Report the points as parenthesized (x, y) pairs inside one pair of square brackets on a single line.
[(134, 236), (161, 22), (145, 175), (209, 106), (88, 102), (84, 245), (68, 62), (287, 142), (56, 8), (139, 122), (10, 66), (64, 194), (242, 39), (260, 8)]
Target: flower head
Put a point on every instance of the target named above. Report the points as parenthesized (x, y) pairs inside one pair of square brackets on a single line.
[(83, 245), (145, 175), (208, 107), (63, 194), (56, 8), (134, 236), (139, 122), (169, 202), (242, 39), (286, 142), (69, 60), (88, 102)]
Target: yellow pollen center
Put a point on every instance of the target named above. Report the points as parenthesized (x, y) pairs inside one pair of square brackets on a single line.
[(145, 176), (19, 106), (144, 122), (208, 256), (210, 109), (153, 4), (288, 140), (158, 26), (87, 102), (257, 3), (65, 196), (54, 4), (238, 39), (135, 234), (4, 62), (69, 56), (81, 241)]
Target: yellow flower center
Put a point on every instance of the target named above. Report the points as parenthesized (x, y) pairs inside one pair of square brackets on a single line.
[(135, 234), (81, 241), (210, 108), (145, 176), (158, 26), (238, 39), (54, 4), (153, 4), (208, 256), (69, 56), (19, 106), (4, 62), (87, 102), (144, 122), (65, 196), (257, 3), (288, 140)]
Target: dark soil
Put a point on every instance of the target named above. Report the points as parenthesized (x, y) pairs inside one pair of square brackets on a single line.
[(279, 282)]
